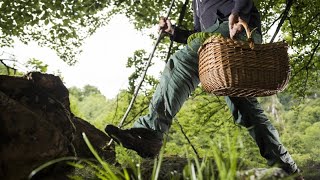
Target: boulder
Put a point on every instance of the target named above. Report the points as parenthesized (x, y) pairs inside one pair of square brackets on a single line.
[(36, 126)]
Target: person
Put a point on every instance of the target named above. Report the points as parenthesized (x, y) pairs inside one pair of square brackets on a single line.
[(180, 77)]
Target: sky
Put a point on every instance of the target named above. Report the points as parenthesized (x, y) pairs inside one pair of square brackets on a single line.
[(103, 60)]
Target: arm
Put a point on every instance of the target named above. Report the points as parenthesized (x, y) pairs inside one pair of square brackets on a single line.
[(180, 35), (176, 34), (240, 7)]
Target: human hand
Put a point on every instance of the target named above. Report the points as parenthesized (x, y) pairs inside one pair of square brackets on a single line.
[(234, 25), (165, 26)]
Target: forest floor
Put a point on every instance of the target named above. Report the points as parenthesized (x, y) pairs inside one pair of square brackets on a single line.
[(172, 167)]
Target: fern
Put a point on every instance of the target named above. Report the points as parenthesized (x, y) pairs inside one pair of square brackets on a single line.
[(202, 36)]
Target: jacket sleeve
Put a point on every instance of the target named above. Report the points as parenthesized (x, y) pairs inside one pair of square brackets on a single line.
[(242, 6), (196, 20), (181, 35)]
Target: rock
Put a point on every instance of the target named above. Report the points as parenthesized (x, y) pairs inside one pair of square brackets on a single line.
[(36, 126), (262, 173)]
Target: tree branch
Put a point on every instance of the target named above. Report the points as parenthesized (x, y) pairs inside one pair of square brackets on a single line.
[(310, 20), (285, 14), (309, 61), (305, 83), (7, 66), (274, 22), (292, 31), (213, 113), (139, 113), (185, 135)]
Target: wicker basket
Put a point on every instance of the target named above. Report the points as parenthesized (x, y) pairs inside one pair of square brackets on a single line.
[(238, 68)]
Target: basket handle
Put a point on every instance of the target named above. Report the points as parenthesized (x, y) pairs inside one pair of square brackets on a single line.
[(248, 32)]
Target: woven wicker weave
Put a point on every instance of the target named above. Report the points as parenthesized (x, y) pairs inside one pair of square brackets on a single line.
[(236, 68)]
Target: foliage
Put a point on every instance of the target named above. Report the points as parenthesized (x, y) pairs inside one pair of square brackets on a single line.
[(36, 65), (88, 103), (74, 105), (60, 25), (302, 123), (8, 65), (219, 166), (202, 36), (144, 13), (222, 165), (63, 26), (205, 119), (99, 168), (138, 62), (6, 70), (301, 30)]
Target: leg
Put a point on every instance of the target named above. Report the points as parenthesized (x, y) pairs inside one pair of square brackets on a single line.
[(248, 113), (180, 77)]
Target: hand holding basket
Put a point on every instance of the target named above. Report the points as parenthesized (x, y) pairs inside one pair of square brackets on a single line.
[(238, 68)]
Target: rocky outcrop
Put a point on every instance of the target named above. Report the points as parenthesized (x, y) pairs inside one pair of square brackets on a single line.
[(36, 126)]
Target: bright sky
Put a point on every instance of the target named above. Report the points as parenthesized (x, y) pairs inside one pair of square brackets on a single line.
[(103, 60)]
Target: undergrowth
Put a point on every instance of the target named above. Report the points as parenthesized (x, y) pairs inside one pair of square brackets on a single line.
[(223, 165)]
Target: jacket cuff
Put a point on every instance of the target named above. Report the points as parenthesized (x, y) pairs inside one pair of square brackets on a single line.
[(180, 35)]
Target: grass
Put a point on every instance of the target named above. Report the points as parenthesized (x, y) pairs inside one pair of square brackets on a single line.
[(222, 166)]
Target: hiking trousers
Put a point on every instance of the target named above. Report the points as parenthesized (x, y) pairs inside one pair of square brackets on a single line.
[(180, 78)]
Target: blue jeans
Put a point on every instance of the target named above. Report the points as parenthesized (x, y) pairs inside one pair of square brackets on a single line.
[(180, 77)]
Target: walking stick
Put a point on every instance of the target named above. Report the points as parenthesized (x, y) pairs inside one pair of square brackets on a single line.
[(181, 16), (143, 75)]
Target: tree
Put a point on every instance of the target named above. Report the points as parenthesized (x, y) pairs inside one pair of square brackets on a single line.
[(60, 25), (37, 65), (86, 91), (63, 25), (88, 103)]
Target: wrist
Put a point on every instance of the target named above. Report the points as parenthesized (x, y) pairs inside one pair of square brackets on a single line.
[(171, 30), (235, 13)]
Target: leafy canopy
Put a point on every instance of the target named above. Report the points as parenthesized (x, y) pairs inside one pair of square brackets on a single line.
[(60, 25), (63, 26)]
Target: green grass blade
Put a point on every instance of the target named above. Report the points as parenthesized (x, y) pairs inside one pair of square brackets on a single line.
[(47, 164), (98, 171), (157, 163), (104, 164), (76, 165)]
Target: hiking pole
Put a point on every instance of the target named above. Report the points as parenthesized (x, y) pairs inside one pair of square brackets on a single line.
[(181, 16), (144, 74)]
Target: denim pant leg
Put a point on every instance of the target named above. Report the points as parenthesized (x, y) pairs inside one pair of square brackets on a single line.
[(247, 112), (179, 78)]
